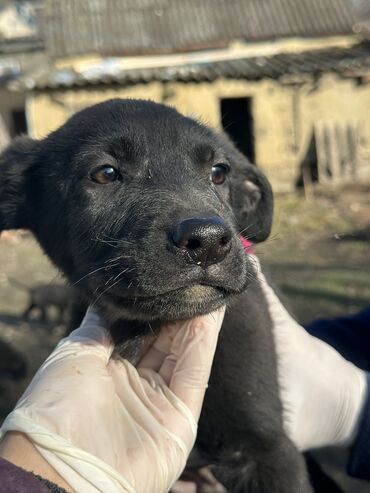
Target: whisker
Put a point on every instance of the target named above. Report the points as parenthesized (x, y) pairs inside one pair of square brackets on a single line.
[(120, 257), (91, 273), (109, 287), (120, 273), (246, 229), (151, 329), (107, 282), (113, 242)]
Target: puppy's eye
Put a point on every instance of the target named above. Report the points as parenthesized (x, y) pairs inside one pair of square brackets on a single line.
[(219, 173), (105, 174)]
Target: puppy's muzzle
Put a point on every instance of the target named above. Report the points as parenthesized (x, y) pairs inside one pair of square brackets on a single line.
[(202, 241)]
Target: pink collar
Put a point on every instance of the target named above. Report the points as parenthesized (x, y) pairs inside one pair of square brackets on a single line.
[(248, 246)]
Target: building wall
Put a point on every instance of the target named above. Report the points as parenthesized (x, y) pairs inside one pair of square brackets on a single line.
[(337, 101), (283, 114)]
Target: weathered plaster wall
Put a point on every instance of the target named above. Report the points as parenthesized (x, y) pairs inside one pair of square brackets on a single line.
[(283, 115)]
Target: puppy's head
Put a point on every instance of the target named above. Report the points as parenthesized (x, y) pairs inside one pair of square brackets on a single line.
[(140, 207)]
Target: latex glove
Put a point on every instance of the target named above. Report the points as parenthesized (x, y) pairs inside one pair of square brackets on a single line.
[(107, 427), (322, 393)]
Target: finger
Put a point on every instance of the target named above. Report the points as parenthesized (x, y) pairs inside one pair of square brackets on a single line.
[(164, 344), (159, 350), (152, 360), (188, 365), (92, 334)]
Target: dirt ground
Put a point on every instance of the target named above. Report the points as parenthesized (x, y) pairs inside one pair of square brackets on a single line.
[(318, 254)]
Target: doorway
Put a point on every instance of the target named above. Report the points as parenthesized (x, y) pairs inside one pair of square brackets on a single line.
[(19, 121), (237, 122)]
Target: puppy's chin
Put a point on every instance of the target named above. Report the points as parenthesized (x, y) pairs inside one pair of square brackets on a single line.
[(175, 305)]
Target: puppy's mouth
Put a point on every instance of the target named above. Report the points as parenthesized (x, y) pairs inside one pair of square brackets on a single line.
[(189, 293), (177, 304)]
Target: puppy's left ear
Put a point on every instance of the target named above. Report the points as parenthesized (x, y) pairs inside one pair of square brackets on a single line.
[(250, 194), (15, 165)]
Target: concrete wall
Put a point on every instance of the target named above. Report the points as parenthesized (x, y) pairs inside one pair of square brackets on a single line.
[(283, 115)]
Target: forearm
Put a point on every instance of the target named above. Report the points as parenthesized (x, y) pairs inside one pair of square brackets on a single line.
[(17, 449)]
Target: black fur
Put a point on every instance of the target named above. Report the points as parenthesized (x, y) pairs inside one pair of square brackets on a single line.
[(115, 242)]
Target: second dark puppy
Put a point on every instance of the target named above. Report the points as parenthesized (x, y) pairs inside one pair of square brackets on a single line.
[(141, 208), (45, 296)]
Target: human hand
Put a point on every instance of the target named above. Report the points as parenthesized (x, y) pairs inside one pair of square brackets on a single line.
[(104, 425), (322, 393)]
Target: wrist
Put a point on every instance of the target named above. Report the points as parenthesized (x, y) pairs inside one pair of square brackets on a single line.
[(19, 450)]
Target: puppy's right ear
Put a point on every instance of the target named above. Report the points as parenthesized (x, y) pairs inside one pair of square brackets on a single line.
[(15, 164), (251, 195)]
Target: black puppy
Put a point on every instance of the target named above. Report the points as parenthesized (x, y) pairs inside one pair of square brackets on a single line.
[(142, 208)]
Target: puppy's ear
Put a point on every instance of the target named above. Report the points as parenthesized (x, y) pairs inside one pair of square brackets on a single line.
[(251, 196), (252, 202), (15, 163)]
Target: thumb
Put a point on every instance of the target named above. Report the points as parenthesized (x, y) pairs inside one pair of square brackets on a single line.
[(187, 367), (92, 337)]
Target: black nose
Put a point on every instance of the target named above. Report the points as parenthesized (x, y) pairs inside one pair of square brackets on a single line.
[(205, 241)]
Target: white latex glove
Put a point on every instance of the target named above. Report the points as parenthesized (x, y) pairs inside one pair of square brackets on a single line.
[(322, 393), (106, 426)]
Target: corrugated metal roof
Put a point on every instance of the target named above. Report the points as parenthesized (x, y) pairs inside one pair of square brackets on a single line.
[(253, 68), (112, 27), (20, 45)]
